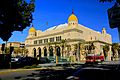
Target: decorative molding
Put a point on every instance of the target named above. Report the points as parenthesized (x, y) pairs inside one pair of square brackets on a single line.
[(52, 43), (57, 33)]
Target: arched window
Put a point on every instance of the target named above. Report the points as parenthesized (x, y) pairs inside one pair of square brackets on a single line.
[(58, 51)]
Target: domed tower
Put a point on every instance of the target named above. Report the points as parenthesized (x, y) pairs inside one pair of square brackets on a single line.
[(103, 31), (72, 20), (32, 32)]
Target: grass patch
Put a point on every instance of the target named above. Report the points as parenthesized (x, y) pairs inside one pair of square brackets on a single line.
[(29, 67)]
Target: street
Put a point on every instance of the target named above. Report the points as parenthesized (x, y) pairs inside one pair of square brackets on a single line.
[(47, 73), (61, 72), (14, 74)]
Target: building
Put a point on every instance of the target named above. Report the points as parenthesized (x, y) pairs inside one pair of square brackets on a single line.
[(17, 47), (65, 40)]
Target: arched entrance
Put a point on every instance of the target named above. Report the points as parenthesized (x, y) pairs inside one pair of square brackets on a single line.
[(39, 52), (45, 52), (34, 52), (58, 51), (51, 51)]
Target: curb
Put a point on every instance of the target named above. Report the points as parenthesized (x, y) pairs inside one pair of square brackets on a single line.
[(18, 70)]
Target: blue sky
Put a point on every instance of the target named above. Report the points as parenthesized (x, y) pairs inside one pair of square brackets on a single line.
[(90, 13)]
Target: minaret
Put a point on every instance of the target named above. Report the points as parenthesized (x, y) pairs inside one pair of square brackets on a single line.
[(72, 20)]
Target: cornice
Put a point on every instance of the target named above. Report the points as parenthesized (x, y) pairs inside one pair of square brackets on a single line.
[(57, 33)]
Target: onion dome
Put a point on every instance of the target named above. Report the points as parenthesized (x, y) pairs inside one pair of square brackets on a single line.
[(72, 17), (32, 29)]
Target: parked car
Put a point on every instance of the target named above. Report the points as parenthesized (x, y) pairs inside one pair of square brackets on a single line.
[(23, 61), (94, 58)]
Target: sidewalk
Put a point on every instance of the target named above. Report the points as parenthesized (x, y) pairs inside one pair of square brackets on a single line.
[(4, 71), (111, 62)]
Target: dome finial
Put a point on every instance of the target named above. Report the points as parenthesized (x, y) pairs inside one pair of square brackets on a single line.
[(72, 17), (72, 11), (32, 25)]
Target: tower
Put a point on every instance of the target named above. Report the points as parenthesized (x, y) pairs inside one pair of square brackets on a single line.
[(32, 32), (72, 20), (103, 31)]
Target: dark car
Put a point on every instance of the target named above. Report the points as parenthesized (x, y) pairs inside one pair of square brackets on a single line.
[(23, 61), (95, 73)]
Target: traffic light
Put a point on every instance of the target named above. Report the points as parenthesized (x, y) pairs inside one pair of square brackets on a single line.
[(3, 47), (11, 50)]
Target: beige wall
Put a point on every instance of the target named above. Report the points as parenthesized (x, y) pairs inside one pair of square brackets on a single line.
[(73, 33)]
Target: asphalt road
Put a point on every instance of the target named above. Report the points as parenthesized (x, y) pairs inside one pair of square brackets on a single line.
[(14, 74), (50, 73)]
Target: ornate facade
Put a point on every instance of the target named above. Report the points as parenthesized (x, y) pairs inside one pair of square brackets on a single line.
[(65, 40)]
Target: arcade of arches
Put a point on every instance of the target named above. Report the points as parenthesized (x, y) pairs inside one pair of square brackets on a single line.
[(70, 50), (52, 51), (47, 51)]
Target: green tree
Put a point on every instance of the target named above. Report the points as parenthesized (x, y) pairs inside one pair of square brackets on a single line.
[(115, 48), (17, 51), (15, 15), (21, 51), (7, 50), (114, 15), (91, 48), (25, 51), (118, 1), (105, 50)]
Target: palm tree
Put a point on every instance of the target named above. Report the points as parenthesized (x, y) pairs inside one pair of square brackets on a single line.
[(80, 48), (75, 51), (63, 45), (55, 43), (105, 50), (21, 51)]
